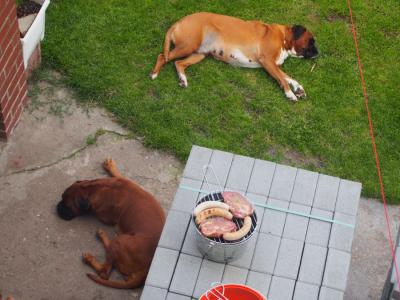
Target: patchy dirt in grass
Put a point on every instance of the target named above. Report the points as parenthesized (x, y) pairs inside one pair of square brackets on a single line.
[(333, 17), (292, 157)]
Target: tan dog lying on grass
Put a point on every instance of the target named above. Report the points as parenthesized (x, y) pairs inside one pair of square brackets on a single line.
[(250, 44), (137, 214)]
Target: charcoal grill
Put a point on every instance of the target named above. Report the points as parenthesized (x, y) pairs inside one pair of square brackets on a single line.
[(218, 249)]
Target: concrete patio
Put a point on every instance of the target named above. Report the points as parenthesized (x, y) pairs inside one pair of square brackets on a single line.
[(53, 146)]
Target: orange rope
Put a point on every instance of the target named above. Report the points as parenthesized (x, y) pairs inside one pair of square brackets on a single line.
[(371, 132)]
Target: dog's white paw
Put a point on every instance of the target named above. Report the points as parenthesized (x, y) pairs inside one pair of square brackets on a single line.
[(300, 92), (182, 80), (153, 75), (289, 94)]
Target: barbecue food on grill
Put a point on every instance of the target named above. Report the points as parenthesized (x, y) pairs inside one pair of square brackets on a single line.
[(216, 226), (239, 206), (209, 204), (213, 212), (237, 235)]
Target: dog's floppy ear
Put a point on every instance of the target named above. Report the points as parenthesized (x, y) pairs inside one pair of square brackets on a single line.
[(297, 31), (83, 204)]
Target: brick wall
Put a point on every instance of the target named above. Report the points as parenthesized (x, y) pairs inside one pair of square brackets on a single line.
[(13, 86)]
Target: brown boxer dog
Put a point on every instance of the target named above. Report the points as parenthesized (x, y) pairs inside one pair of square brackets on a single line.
[(138, 216), (250, 44)]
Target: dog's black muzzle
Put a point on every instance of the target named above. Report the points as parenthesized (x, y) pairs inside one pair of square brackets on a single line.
[(64, 212)]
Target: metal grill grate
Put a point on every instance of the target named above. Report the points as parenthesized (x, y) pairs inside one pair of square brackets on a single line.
[(217, 196)]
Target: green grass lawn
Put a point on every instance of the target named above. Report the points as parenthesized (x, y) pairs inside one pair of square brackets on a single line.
[(107, 48)]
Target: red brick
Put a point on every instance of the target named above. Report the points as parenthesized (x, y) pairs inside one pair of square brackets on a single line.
[(9, 66), (10, 32), (5, 11), (8, 50), (9, 82), (13, 95), (7, 109), (2, 76), (22, 80), (17, 112), (3, 100)]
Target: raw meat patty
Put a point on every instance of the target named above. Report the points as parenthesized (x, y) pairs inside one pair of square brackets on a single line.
[(239, 206), (216, 226)]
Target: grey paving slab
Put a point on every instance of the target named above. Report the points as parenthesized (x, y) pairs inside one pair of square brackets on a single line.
[(281, 288), (330, 294), (274, 221), (289, 258), (198, 158), (265, 254), (348, 197), (342, 236), (326, 193), (318, 231), (162, 268), (283, 182), (313, 264), (259, 210), (234, 275), (336, 270), (210, 272), (185, 275), (173, 296), (245, 260), (305, 291), (304, 187), (185, 200), (259, 281), (239, 174), (261, 177), (174, 230), (296, 226), (190, 244), (220, 165), (152, 293)]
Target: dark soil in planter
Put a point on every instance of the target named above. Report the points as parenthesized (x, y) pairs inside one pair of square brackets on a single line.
[(27, 7)]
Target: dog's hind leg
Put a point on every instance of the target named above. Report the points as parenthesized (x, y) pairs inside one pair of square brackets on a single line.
[(110, 166), (159, 64), (177, 52), (181, 65), (103, 270)]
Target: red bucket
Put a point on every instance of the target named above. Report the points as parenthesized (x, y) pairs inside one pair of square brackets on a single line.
[(232, 292)]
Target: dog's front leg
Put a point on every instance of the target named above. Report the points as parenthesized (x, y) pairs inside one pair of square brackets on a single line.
[(280, 76), (297, 88)]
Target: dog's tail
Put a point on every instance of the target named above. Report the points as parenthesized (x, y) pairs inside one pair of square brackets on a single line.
[(133, 282), (167, 42)]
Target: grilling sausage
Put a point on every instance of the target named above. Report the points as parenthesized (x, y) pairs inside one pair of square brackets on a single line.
[(209, 204), (237, 235), (213, 212)]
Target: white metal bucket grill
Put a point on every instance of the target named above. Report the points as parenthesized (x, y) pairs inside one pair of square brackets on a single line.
[(217, 196)]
